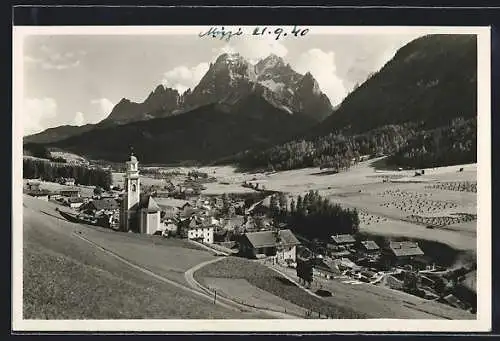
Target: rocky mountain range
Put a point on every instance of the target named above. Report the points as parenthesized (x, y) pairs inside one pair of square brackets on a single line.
[(268, 115), (228, 80)]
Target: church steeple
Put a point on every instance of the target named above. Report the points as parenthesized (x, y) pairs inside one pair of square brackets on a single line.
[(132, 184)]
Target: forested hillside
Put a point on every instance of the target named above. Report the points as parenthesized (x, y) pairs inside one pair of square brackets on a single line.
[(422, 92)]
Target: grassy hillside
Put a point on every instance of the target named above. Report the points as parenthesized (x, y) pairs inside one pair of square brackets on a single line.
[(67, 278)]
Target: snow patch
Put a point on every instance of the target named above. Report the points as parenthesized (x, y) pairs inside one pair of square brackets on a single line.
[(272, 85)]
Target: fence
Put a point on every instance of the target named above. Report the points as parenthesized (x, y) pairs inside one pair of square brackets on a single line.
[(306, 313)]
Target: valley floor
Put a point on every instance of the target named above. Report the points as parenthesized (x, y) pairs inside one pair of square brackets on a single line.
[(391, 203)]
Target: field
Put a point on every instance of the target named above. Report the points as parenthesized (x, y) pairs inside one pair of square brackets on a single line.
[(65, 277), (391, 203), (85, 191), (242, 291), (270, 281)]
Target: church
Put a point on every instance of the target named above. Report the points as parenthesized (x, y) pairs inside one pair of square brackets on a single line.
[(138, 212)]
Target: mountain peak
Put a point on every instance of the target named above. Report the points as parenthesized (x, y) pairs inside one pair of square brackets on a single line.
[(228, 58), (273, 58), (160, 88), (269, 63), (123, 101)]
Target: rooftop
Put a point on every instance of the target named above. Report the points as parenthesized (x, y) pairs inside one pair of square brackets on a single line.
[(73, 189), (105, 204), (147, 202), (343, 239), (268, 238), (37, 193), (370, 245), (400, 249)]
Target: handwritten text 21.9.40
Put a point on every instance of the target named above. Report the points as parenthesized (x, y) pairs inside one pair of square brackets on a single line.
[(280, 32)]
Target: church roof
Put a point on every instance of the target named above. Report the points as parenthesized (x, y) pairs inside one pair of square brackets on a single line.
[(147, 202)]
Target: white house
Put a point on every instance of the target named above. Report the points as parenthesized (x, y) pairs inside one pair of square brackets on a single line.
[(75, 202), (202, 234)]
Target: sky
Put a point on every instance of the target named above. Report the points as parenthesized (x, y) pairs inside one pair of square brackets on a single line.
[(77, 79)]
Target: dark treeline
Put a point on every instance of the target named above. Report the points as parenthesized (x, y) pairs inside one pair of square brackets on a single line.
[(409, 145), (313, 216), (338, 150), (50, 171), (453, 144), (40, 151)]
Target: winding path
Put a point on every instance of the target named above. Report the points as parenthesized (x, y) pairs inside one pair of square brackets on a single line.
[(152, 274), (195, 287), (189, 276)]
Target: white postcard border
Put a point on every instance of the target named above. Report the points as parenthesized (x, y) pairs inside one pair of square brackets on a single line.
[(483, 321)]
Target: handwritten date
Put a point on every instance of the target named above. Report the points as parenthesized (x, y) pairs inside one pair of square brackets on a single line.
[(280, 32), (277, 33)]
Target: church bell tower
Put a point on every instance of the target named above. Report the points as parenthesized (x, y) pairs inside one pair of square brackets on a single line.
[(132, 185), (132, 194)]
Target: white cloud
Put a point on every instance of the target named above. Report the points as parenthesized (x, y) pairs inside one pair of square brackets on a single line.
[(50, 59), (322, 66), (36, 114), (183, 77), (104, 107), (61, 66), (254, 49), (79, 119), (31, 60), (100, 108)]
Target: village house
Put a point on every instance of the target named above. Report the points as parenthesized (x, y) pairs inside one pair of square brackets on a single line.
[(347, 264), (75, 202), (100, 206), (170, 226), (281, 244), (239, 207), (233, 223), (186, 210), (304, 253), (168, 211), (218, 203), (70, 192), (326, 267), (33, 186), (40, 194), (369, 247), (342, 241), (400, 253), (169, 186), (201, 234), (68, 181), (106, 210), (261, 208)]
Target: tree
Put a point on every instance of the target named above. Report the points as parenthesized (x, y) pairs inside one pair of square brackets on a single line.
[(410, 281), (292, 207), (283, 203), (305, 271), (300, 206), (98, 190), (225, 203), (273, 205)]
